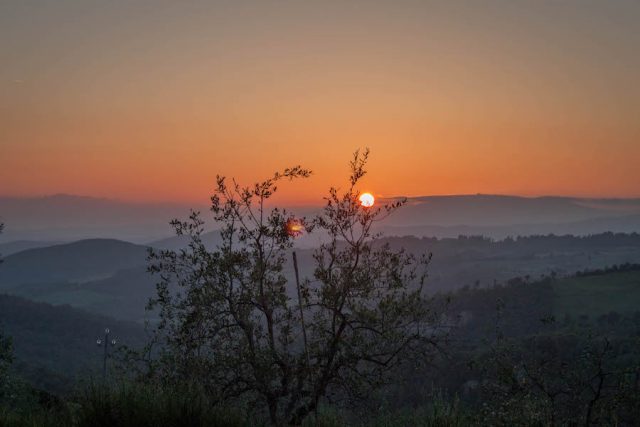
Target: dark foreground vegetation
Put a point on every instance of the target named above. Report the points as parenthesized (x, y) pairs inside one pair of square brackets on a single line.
[(512, 359)]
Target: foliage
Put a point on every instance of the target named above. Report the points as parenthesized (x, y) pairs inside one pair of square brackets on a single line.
[(54, 346), (136, 405), (127, 405), (561, 378), (230, 321), (527, 373), (440, 413), (6, 358), (6, 354)]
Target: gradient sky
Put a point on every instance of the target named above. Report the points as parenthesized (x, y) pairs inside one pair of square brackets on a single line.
[(149, 100)]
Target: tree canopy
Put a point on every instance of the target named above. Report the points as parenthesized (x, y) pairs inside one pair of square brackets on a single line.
[(232, 320)]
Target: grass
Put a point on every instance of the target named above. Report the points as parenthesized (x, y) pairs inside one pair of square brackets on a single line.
[(597, 295), (130, 405), (150, 406)]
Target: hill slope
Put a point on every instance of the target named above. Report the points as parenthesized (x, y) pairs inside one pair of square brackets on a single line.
[(55, 345), (597, 294), (16, 246), (77, 262), (109, 277)]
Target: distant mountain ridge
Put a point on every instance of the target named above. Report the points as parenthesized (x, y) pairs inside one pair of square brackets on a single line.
[(498, 210), (616, 224), (68, 218), (16, 246)]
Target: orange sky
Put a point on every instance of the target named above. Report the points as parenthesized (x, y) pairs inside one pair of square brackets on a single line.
[(148, 101)]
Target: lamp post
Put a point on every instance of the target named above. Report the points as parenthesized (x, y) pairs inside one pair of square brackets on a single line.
[(294, 229), (105, 343)]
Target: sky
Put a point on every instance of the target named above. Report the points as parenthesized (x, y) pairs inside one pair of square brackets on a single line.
[(149, 100)]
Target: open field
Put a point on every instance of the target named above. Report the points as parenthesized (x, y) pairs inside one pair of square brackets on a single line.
[(598, 294)]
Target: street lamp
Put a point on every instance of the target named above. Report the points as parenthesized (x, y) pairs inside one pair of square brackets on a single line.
[(105, 343), (295, 228)]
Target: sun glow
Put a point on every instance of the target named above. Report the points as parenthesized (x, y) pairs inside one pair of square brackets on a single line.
[(366, 200), (294, 227)]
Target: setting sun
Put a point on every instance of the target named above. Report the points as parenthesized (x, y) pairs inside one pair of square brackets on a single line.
[(366, 200)]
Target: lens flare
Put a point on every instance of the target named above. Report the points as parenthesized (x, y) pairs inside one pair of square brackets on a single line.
[(366, 200), (294, 227)]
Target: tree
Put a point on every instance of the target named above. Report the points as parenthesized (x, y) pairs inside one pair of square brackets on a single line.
[(6, 351), (557, 377), (230, 320), (6, 358)]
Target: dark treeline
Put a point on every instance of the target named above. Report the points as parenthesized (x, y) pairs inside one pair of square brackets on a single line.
[(511, 361), (613, 269), (514, 245), (55, 346)]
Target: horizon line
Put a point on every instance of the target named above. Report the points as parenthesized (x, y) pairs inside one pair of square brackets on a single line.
[(381, 197)]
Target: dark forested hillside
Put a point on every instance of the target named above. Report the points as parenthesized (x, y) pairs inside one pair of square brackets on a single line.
[(16, 246), (481, 261), (77, 262), (56, 345), (109, 277)]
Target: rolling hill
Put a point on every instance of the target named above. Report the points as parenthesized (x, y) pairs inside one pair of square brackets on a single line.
[(109, 277), (16, 246), (76, 262), (54, 345), (70, 217), (595, 295)]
